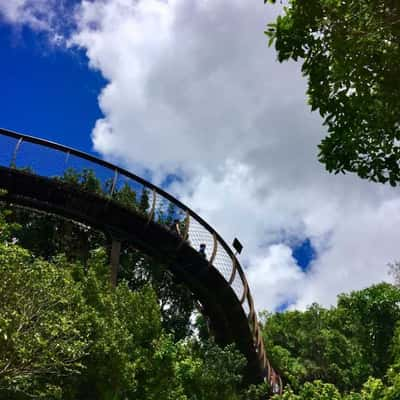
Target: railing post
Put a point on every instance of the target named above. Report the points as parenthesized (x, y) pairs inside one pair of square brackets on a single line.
[(233, 273), (187, 226), (114, 182), (185, 233), (245, 289), (153, 207), (280, 385), (268, 370), (13, 162), (114, 260), (215, 247), (67, 155)]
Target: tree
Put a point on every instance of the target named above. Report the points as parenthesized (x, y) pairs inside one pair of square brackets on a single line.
[(86, 179), (208, 372), (126, 196), (373, 389), (41, 316), (176, 301), (350, 51), (47, 235), (370, 317), (307, 346), (343, 346), (144, 203)]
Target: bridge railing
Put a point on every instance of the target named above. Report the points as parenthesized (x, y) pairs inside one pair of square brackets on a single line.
[(53, 160)]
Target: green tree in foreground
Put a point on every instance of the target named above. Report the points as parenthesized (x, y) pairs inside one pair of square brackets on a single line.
[(41, 316), (66, 334), (351, 56)]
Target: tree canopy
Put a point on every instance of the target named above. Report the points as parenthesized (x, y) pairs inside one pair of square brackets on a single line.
[(348, 352), (65, 333), (350, 54)]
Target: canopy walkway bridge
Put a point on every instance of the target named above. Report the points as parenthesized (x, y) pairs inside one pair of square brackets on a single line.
[(30, 171)]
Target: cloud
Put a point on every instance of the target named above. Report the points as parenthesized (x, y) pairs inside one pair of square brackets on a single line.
[(182, 91), (276, 276), (35, 13), (194, 90), (47, 16)]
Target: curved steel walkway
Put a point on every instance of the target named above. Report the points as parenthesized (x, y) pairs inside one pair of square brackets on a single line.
[(28, 168)]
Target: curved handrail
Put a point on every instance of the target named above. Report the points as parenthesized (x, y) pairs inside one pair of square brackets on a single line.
[(121, 171), (236, 269)]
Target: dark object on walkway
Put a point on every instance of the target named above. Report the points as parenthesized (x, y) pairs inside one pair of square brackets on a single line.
[(202, 250), (174, 228), (237, 245)]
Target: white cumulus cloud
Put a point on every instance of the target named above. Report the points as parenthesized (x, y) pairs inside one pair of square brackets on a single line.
[(49, 16)]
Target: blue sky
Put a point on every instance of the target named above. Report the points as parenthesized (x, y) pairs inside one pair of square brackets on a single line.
[(47, 91), (304, 253), (194, 92)]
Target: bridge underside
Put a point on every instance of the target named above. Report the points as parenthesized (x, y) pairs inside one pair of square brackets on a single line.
[(220, 304)]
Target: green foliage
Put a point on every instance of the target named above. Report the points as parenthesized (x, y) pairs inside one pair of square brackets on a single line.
[(126, 196), (41, 316), (86, 179), (144, 203), (257, 392), (350, 51), (47, 235), (125, 329), (7, 229), (309, 347), (176, 301), (209, 372), (350, 352), (370, 317), (373, 389), (65, 333)]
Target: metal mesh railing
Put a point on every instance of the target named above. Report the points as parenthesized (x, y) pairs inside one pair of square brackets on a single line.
[(53, 160), (199, 235), (223, 262)]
